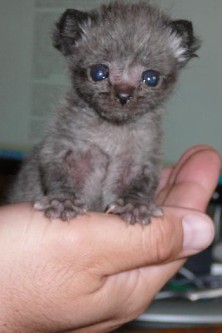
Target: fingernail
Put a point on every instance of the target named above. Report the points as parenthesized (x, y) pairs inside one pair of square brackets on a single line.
[(198, 232)]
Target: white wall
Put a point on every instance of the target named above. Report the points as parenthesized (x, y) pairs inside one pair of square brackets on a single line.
[(33, 76)]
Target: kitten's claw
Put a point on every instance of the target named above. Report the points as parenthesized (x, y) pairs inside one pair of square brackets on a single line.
[(135, 213), (157, 211), (60, 207), (110, 209)]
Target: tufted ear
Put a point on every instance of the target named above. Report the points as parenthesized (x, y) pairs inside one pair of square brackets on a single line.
[(69, 29), (183, 30)]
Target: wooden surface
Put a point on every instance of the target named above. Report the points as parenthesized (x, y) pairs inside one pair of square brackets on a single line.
[(207, 329)]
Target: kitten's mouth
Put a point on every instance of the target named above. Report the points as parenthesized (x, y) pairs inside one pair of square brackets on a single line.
[(117, 108), (116, 112)]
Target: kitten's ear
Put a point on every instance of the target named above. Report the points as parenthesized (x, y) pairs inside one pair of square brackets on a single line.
[(188, 44), (69, 29)]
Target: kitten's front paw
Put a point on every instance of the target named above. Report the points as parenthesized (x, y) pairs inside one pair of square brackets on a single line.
[(135, 212), (64, 208)]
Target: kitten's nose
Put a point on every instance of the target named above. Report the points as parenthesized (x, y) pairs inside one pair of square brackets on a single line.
[(123, 98)]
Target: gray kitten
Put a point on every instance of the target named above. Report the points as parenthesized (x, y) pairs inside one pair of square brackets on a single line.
[(102, 151)]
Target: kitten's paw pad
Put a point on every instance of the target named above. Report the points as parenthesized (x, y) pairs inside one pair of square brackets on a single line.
[(62, 208), (135, 213)]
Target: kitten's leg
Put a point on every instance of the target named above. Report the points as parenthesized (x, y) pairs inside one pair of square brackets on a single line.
[(137, 204), (61, 183), (67, 182)]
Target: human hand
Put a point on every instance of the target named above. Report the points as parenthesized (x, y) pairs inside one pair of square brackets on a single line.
[(95, 272)]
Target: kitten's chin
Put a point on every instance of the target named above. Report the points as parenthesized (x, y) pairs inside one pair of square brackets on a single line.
[(117, 116)]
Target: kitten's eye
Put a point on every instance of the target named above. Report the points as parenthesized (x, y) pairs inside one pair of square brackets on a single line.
[(151, 78), (99, 72)]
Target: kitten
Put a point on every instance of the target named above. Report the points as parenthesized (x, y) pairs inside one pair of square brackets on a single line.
[(102, 150)]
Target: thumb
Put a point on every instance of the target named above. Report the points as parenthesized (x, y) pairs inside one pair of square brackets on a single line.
[(198, 230), (109, 245), (118, 247)]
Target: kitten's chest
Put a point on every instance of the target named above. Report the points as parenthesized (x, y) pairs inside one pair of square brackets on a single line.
[(124, 159), (115, 143), (108, 162)]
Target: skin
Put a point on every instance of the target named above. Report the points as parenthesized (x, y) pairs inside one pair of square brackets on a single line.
[(95, 272)]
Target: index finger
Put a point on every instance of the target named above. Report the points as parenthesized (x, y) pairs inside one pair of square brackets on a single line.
[(193, 181)]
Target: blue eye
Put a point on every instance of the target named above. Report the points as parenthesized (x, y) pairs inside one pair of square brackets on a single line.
[(99, 72), (151, 78)]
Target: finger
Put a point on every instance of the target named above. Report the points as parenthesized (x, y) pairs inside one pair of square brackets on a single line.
[(169, 173), (193, 151), (118, 247), (164, 179), (193, 181), (106, 245), (186, 156), (102, 243), (155, 276), (196, 237)]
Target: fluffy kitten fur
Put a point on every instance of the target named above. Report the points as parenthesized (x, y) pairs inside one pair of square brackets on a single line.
[(102, 152)]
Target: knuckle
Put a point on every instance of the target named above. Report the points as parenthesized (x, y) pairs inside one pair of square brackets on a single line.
[(164, 241)]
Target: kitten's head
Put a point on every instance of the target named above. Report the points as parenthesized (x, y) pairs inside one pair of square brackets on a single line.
[(124, 58)]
